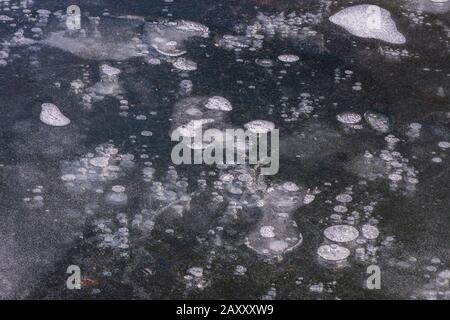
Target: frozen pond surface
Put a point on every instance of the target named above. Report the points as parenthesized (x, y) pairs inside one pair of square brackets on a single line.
[(86, 176)]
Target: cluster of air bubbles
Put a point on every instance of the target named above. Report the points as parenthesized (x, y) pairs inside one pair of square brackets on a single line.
[(125, 107), (243, 191), (395, 53), (443, 146), (320, 287), (108, 85), (165, 9), (117, 196), (357, 86), (185, 88), (5, 18), (341, 76), (271, 294), (342, 238), (353, 231), (239, 42), (437, 289), (95, 22), (418, 11), (235, 184), (277, 233), (436, 273), (147, 172), (169, 196), (143, 222), (94, 169), (42, 21), (119, 41), (239, 189), (113, 234), (4, 55), (19, 39), (414, 130), (388, 164), (305, 108), (109, 82), (417, 18), (310, 196), (292, 25), (37, 199), (240, 270), (167, 37), (378, 121), (109, 74), (77, 86), (5, 45), (192, 114), (195, 279)]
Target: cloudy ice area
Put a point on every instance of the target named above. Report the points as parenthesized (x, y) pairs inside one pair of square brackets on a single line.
[(87, 177)]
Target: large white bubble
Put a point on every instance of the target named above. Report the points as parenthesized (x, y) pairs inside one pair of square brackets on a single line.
[(369, 21)]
